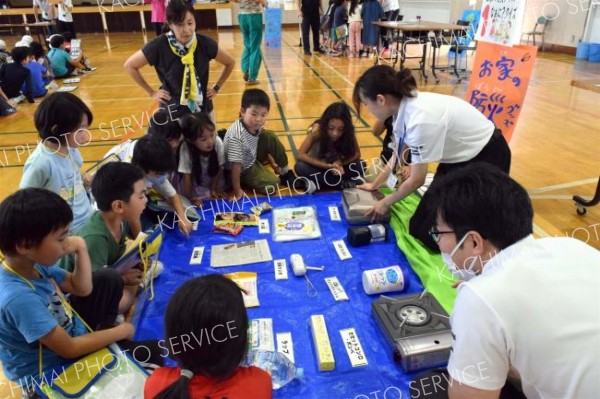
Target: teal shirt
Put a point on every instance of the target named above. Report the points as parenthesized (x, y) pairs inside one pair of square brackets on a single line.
[(59, 59)]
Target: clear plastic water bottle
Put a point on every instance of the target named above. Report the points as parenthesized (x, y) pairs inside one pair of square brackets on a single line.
[(281, 369)]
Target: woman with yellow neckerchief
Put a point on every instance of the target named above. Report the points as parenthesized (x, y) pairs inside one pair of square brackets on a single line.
[(181, 58)]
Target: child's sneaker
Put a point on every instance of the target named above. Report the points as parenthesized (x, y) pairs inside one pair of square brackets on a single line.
[(17, 100)]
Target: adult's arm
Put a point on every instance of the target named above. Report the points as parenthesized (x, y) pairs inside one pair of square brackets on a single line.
[(133, 65), (228, 62)]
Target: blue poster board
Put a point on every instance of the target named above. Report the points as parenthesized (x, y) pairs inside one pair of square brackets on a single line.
[(273, 27)]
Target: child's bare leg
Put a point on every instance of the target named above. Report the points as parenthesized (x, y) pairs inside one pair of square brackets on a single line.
[(128, 297)]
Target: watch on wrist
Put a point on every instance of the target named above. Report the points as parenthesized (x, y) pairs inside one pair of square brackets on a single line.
[(216, 88)]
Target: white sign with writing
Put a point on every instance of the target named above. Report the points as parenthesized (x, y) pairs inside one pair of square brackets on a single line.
[(281, 272), (336, 288), (196, 258), (353, 347), (334, 213), (501, 21), (285, 345), (263, 226), (342, 249)]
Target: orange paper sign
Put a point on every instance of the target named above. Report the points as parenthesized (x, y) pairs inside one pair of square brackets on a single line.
[(499, 82)]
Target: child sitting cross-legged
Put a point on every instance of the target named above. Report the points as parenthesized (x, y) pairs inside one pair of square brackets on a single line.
[(201, 159), (248, 145), (329, 155), (34, 234), (15, 76), (61, 62), (120, 194), (203, 371)]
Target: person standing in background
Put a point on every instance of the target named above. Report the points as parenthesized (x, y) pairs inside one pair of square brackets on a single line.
[(250, 20), (391, 10), (310, 11), (65, 18), (159, 15), (48, 13)]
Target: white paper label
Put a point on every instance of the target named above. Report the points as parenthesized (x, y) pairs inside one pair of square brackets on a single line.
[(391, 180), (196, 258), (195, 225), (261, 335), (334, 213), (336, 288), (341, 249), (285, 345), (281, 272), (353, 347), (263, 226)]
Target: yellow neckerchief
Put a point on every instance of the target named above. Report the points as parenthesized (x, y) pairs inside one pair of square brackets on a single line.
[(62, 298), (189, 72)]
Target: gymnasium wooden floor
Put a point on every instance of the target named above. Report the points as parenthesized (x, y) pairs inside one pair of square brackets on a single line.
[(555, 147)]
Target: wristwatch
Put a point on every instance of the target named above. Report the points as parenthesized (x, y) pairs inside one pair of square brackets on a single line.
[(216, 88)]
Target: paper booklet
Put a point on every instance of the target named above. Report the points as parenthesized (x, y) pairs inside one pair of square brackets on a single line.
[(66, 89), (150, 244), (290, 224), (240, 253), (247, 281)]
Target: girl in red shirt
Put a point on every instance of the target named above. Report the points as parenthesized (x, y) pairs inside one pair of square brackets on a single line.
[(206, 333)]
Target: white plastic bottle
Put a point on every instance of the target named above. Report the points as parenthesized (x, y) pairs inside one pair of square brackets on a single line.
[(281, 369)]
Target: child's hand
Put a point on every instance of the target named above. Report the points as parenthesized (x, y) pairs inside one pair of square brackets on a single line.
[(74, 245), (197, 202), (185, 226), (126, 330), (276, 169), (237, 195), (132, 277), (339, 168)]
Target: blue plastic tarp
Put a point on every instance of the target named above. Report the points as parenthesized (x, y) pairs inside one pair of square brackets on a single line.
[(287, 302)]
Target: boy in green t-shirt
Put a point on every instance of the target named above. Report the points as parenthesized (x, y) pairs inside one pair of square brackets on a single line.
[(119, 191)]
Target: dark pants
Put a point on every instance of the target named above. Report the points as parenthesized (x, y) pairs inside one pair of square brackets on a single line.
[(158, 27), (63, 27), (101, 307), (389, 16), (495, 152), (433, 384), (325, 178), (99, 310), (310, 22)]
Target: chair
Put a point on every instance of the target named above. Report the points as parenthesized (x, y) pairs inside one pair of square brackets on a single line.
[(542, 22)]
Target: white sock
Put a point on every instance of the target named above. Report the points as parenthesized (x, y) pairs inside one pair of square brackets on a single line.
[(284, 170)]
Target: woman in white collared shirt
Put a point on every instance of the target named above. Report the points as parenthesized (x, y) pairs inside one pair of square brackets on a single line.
[(430, 127)]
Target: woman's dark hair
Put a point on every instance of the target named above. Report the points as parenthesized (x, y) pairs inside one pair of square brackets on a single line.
[(193, 126), (152, 154), (177, 10), (198, 307), (37, 49), (60, 113), (346, 144), (383, 79), (28, 216), (482, 198), (353, 5), (115, 181)]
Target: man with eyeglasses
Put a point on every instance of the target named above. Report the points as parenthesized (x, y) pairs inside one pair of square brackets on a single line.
[(528, 318)]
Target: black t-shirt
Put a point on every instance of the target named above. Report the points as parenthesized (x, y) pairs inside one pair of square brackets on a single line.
[(170, 69), (12, 77), (310, 7)]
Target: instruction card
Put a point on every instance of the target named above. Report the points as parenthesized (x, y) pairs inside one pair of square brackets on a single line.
[(334, 213), (263, 226), (196, 258), (285, 345), (281, 272), (353, 347), (341, 249), (260, 335), (336, 288)]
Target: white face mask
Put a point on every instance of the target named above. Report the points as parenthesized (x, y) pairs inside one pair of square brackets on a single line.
[(464, 274)]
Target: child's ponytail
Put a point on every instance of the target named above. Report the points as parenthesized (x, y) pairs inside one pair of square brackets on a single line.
[(179, 389)]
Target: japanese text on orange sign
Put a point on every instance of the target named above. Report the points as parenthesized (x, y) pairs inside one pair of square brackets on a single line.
[(499, 83)]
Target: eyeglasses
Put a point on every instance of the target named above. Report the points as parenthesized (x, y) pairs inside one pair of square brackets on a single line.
[(436, 235)]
